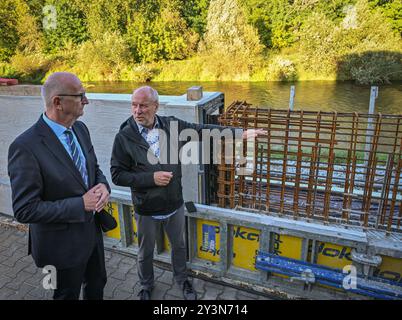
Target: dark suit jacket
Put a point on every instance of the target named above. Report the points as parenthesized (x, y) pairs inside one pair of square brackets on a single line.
[(47, 192)]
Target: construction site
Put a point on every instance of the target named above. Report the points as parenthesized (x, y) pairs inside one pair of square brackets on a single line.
[(315, 214)]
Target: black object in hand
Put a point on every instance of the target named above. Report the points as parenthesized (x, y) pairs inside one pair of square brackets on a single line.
[(106, 221)]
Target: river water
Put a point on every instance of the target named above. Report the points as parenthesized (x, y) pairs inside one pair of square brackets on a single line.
[(310, 95)]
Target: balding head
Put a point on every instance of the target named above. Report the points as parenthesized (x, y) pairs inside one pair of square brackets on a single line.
[(148, 91), (58, 83), (144, 105), (64, 97)]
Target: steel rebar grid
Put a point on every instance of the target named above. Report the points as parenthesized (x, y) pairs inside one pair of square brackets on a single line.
[(326, 166)]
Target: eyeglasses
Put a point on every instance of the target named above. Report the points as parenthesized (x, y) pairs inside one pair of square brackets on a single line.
[(81, 95)]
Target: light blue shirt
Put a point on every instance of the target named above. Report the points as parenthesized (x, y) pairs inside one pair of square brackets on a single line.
[(59, 130), (153, 142)]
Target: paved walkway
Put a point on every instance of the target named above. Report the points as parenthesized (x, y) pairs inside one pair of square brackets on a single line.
[(21, 279)]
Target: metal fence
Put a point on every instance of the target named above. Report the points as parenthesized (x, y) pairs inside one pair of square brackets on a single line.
[(332, 167)]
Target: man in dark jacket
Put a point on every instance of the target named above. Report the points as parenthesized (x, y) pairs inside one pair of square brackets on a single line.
[(144, 160), (58, 188)]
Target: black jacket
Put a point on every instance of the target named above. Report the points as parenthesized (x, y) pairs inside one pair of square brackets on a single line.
[(130, 166), (47, 191)]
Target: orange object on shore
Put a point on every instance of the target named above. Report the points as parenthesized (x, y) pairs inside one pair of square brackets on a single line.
[(8, 82)]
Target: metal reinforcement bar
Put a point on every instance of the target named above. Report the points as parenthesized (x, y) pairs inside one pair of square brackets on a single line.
[(342, 168)]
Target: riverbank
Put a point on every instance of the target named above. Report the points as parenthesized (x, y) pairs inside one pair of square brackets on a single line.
[(340, 96), (363, 69)]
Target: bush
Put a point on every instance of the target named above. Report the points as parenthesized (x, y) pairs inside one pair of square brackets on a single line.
[(7, 71), (281, 69), (372, 67), (102, 59), (139, 73), (30, 67), (209, 67)]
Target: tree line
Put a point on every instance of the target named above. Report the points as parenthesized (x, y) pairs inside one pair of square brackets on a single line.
[(248, 40)]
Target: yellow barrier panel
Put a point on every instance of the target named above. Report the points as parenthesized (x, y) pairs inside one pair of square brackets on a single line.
[(112, 208), (287, 246), (333, 255), (390, 269), (135, 230), (246, 244), (208, 240), (166, 242)]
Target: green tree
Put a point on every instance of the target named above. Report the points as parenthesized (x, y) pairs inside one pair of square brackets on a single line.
[(30, 35), (392, 9), (231, 48), (110, 15), (195, 13), (164, 36), (228, 31), (71, 25), (19, 29), (348, 48), (9, 37), (278, 21)]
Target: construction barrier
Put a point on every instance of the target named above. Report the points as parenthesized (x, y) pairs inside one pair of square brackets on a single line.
[(225, 243)]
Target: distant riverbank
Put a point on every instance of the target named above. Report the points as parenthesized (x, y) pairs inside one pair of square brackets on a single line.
[(340, 96)]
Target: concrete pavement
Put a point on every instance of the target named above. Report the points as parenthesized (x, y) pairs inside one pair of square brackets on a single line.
[(20, 279)]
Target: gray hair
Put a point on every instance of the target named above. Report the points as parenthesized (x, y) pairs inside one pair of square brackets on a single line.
[(153, 94)]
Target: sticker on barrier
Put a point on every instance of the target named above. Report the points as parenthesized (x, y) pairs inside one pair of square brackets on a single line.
[(208, 240)]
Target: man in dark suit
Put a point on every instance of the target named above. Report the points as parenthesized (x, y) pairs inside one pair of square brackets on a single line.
[(58, 188)]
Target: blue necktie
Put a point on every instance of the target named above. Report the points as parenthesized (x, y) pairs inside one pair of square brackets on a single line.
[(75, 155)]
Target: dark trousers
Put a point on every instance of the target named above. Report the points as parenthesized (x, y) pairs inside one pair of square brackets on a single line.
[(175, 228), (91, 275)]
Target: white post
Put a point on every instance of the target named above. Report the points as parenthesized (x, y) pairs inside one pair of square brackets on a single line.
[(292, 98), (369, 130), (291, 107), (373, 96)]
